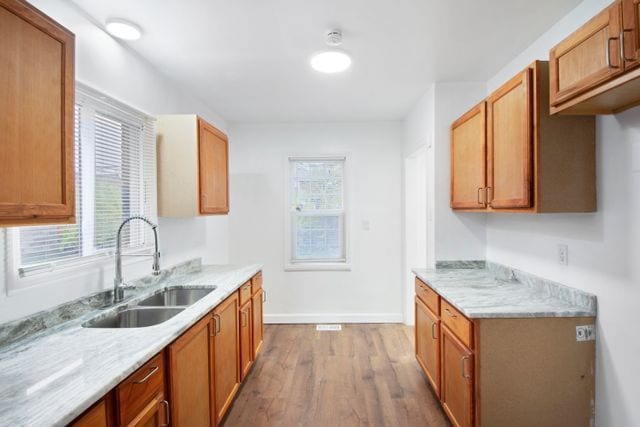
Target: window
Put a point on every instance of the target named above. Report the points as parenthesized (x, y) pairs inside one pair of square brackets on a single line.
[(317, 225), (115, 178)]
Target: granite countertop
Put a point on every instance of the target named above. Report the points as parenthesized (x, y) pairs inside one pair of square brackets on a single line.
[(52, 377), (495, 291)]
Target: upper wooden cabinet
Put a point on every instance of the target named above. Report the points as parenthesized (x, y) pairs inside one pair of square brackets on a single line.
[(595, 70), (468, 159), (534, 162), (36, 117), (509, 163), (193, 171)]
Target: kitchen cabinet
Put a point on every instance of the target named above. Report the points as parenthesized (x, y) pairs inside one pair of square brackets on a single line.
[(190, 367), (226, 348), (193, 167), (37, 81), (246, 347), (140, 398), (99, 415), (427, 336), (595, 69), (258, 298), (456, 393), (535, 162), (468, 159), (194, 380), (504, 371)]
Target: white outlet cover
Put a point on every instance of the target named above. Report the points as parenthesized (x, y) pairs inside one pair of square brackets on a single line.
[(563, 254), (585, 333)]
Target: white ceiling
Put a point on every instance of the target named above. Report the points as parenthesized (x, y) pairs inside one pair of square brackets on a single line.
[(248, 59)]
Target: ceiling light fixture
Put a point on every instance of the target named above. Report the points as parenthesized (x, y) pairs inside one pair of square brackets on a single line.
[(124, 30), (333, 59)]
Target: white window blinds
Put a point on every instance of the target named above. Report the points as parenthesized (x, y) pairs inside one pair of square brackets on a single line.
[(317, 213), (115, 178)]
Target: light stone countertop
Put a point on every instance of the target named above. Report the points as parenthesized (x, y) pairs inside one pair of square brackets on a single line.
[(500, 292), (53, 377)]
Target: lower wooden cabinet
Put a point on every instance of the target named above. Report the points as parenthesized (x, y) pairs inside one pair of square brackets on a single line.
[(456, 393), (257, 331), (190, 365), (225, 354), (155, 414), (194, 380), (504, 371), (99, 415), (428, 343), (246, 347)]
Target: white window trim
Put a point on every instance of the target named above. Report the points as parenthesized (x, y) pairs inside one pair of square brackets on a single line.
[(347, 188)]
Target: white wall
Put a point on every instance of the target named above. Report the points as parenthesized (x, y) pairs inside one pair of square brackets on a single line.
[(371, 291), (604, 247), (111, 67)]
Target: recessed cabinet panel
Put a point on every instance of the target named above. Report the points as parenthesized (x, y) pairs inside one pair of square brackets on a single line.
[(428, 343), (510, 144), (468, 159), (457, 380), (588, 57), (36, 117), (214, 176)]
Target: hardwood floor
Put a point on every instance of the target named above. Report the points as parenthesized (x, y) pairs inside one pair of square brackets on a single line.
[(365, 375)]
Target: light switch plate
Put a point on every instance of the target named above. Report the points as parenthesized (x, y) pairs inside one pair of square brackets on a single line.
[(586, 333)]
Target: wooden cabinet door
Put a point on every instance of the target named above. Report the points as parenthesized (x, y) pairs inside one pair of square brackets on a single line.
[(36, 117), (258, 324), (427, 328), (99, 415), (155, 414), (588, 57), (468, 160), (225, 354), (246, 347), (510, 144), (213, 152), (630, 34), (456, 392), (190, 383)]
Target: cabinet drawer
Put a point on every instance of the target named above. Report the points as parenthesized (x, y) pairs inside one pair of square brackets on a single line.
[(135, 393), (428, 296), (460, 325), (245, 292), (256, 283)]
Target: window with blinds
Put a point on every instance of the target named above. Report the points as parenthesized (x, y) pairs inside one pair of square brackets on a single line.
[(317, 210), (115, 178)]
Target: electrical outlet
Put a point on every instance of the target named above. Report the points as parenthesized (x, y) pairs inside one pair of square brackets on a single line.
[(563, 255), (585, 333)]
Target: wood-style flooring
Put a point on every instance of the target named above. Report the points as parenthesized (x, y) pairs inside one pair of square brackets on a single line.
[(365, 375)]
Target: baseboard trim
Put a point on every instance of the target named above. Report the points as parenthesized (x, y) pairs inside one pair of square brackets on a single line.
[(298, 318)]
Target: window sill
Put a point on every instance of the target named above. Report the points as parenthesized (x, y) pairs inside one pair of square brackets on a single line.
[(338, 266)]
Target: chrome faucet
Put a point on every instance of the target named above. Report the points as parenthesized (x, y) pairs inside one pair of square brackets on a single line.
[(118, 282)]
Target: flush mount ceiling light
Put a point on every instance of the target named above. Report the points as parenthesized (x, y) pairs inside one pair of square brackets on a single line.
[(333, 59), (123, 29)]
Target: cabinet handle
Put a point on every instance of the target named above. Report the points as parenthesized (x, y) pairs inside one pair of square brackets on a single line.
[(622, 50), (264, 296), (433, 331), (480, 202), (216, 324), (488, 199), (146, 378), (449, 313), (609, 65), (244, 318), (464, 372), (167, 414)]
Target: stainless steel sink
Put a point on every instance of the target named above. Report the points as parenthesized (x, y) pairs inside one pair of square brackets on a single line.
[(134, 318), (176, 297)]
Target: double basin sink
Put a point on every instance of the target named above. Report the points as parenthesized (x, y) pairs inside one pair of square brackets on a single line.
[(152, 310)]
